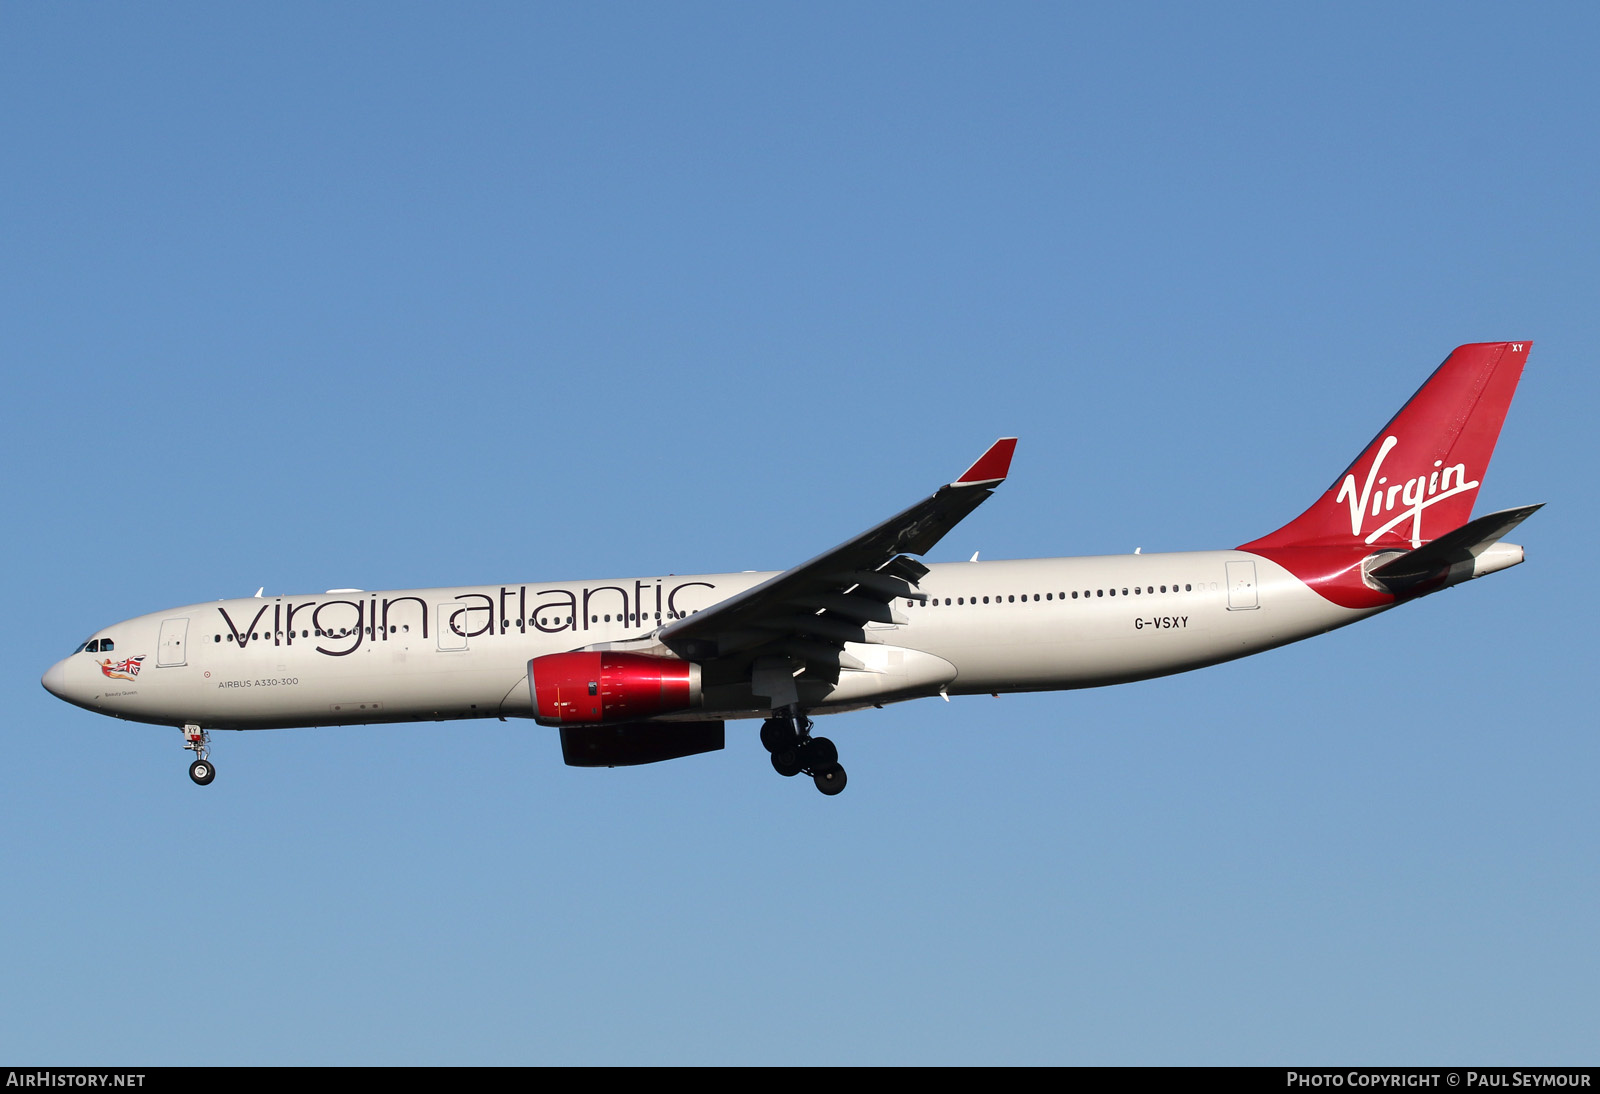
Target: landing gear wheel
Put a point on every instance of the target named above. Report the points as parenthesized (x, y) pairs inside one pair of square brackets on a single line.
[(777, 734), (819, 753), (787, 763), (830, 780), (198, 741), (787, 735)]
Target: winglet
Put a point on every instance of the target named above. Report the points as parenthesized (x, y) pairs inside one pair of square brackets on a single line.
[(992, 466)]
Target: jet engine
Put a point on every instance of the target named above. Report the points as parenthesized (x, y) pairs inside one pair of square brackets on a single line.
[(587, 688), (637, 743)]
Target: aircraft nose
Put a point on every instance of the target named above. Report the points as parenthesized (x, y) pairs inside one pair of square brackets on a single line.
[(55, 680)]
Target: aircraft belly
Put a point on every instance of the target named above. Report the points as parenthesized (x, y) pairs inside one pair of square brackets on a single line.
[(890, 672)]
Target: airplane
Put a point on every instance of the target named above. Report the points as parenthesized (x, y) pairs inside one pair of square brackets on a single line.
[(647, 669)]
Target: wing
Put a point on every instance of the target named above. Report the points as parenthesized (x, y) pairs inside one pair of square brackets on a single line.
[(808, 613)]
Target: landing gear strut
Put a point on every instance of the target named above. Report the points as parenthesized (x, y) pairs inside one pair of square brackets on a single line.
[(198, 741), (788, 737)]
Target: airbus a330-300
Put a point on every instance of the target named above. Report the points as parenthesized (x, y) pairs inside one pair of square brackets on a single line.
[(645, 669)]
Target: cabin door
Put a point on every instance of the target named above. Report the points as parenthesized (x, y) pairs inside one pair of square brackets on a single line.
[(1242, 586), (452, 628), (174, 633)]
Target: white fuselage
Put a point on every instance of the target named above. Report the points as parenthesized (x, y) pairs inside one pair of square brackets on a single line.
[(427, 654)]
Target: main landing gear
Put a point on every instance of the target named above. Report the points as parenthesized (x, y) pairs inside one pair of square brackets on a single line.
[(198, 741), (788, 737)]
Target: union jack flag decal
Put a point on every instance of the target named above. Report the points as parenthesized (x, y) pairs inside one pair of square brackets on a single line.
[(121, 670)]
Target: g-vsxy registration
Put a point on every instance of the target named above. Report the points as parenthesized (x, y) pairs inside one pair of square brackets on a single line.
[(644, 669)]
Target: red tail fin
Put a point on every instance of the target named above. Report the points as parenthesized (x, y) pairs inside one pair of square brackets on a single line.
[(1419, 477)]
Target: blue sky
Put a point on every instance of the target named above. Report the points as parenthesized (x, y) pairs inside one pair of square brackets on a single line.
[(317, 296)]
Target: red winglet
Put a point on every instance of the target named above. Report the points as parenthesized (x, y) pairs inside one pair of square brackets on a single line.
[(993, 465)]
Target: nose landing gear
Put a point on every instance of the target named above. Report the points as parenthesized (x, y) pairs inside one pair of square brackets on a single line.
[(198, 741), (788, 738)]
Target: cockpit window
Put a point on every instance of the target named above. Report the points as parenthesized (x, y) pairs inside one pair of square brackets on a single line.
[(106, 645), (81, 647)]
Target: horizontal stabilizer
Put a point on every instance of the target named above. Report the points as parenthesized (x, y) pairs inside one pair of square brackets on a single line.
[(1452, 554)]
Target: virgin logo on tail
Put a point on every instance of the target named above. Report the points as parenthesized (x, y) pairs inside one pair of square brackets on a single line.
[(1414, 495), (1453, 419)]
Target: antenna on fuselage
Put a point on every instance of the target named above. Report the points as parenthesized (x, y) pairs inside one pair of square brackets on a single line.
[(260, 591)]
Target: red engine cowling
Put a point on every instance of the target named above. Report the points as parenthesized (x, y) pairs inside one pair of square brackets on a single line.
[(586, 688)]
